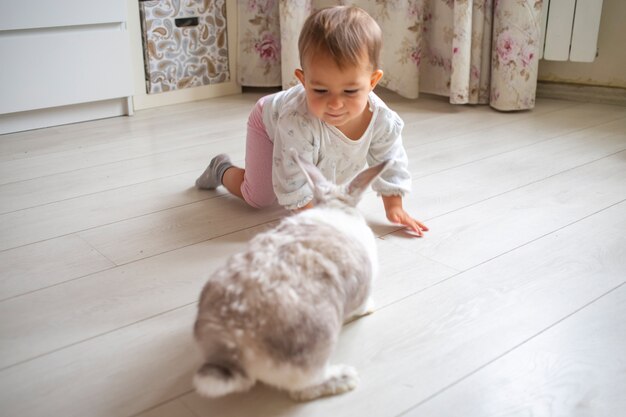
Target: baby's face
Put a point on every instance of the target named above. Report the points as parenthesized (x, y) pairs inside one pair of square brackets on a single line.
[(337, 96)]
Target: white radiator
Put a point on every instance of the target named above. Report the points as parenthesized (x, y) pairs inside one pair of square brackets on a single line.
[(570, 30)]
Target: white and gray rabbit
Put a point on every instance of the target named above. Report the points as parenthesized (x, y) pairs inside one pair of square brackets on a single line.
[(274, 312)]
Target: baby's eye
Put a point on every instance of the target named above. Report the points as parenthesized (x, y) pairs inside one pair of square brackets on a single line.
[(319, 90), (350, 91)]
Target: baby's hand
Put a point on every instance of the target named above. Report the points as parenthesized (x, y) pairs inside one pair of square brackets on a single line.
[(399, 216)]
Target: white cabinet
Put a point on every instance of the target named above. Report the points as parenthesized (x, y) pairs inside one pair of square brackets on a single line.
[(60, 54)]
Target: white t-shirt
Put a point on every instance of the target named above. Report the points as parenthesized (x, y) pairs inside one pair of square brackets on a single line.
[(339, 158)]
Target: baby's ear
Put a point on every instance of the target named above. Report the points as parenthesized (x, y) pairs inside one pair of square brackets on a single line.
[(376, 76), (299, 75)]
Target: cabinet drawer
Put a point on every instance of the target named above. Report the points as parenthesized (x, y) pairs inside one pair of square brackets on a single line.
[(70, 66), (32, 14)]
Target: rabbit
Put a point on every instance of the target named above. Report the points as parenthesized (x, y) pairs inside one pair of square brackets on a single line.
[(274, 312)]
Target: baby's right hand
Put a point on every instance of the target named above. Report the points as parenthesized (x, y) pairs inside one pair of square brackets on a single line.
[(305, 207)]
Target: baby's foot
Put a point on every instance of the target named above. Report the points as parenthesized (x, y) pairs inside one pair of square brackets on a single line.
[(211, 178)]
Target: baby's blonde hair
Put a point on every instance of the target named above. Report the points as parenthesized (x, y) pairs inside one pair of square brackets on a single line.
[(342, 32)]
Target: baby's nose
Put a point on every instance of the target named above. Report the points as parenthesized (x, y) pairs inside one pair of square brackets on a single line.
[(334, 103)]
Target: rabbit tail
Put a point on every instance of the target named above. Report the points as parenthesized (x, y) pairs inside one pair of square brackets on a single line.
[(218, 379)]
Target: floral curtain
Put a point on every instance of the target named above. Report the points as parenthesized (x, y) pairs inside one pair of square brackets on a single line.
[(473, 51)]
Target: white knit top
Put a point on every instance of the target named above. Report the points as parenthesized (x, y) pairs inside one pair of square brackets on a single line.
[(290, 126)]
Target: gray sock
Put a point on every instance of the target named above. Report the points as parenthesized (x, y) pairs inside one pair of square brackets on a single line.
[(211, 178)]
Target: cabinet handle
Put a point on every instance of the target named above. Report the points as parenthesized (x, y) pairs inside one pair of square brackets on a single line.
[(185, 22)]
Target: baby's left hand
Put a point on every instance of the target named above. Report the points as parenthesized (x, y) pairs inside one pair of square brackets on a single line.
[(399, 216)]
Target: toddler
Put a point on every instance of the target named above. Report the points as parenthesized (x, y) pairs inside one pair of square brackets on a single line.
[(332, 118)]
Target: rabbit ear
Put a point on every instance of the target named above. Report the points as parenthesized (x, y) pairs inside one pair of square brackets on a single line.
[(360, 183), (313, 175)]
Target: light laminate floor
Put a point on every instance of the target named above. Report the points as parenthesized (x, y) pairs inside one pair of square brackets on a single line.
[(514, 304)]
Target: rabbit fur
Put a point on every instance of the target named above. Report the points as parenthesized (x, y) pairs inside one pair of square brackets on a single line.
[(274, 312)]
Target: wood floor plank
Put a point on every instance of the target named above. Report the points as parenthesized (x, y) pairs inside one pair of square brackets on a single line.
[(450, 190), (167, 230), (45, 224), (118, 374), (463, 120), (405, 352), (121, 296), (44, 264), (468, 237), (130, 172), (108, 153), (75, 183), (81, 337), (157, 126), (112, 146), (439, 193), (143, 139), (173, 408), (423, 115), (404, 272), (570, 120), (575, 369), (187, 153), (66, 217), (432, 157), (99, 303), (413, 349)]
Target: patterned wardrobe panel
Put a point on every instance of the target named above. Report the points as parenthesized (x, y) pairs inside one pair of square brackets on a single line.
[(185, 43)]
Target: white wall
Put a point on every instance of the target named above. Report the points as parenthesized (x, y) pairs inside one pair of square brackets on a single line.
[(609, 68)]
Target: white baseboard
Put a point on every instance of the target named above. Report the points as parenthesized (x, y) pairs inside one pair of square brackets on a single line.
[(54, 116), (145, 101), (577, 92)]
